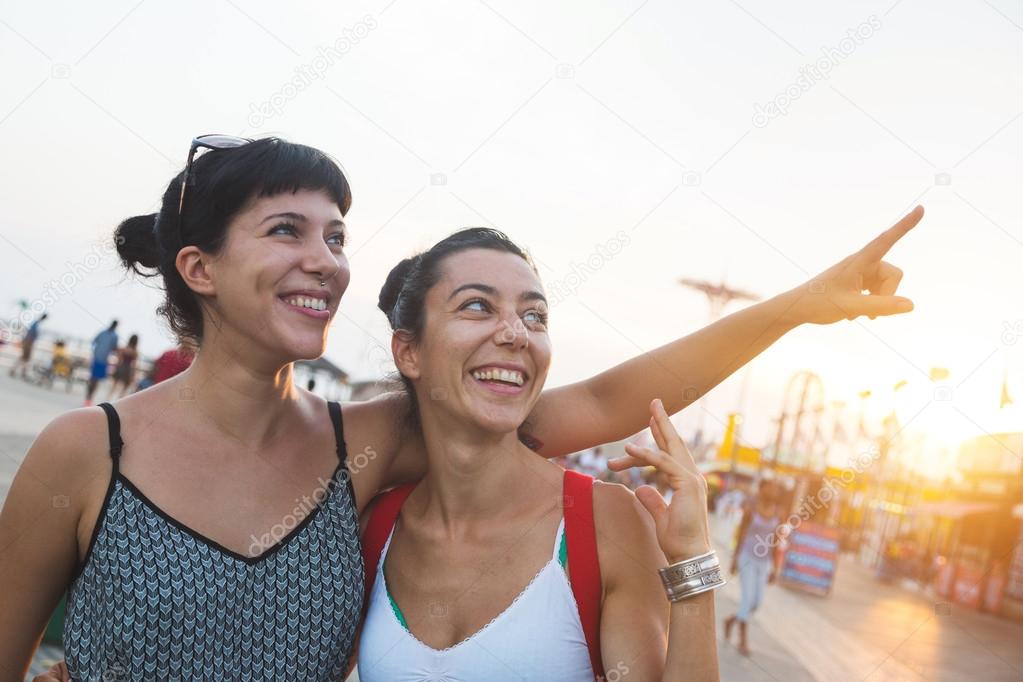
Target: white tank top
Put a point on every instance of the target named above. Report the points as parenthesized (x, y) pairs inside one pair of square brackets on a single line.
[(538, 637)]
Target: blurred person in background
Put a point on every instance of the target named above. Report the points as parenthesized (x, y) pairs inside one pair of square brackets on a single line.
[(27, 342), (60, 365), (103, 345), (755, 557), (124, 370), (170, 363)]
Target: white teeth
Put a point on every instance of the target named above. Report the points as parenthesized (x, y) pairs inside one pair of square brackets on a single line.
[(506, 375), (305, 302)]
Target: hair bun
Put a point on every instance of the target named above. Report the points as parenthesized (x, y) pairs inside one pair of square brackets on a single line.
[(395, 282), (136, 243)]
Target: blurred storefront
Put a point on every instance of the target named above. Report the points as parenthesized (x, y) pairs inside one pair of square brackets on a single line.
[(1012, 604), (963, 548), (967, 546)]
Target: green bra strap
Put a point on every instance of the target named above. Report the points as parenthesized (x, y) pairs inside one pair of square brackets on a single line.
[(563, 551), (397, 611)]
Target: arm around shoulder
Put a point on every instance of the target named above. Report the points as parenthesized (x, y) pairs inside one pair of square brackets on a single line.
[(384, 446)]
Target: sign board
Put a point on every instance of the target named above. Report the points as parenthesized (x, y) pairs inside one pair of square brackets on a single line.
[(811, 558)]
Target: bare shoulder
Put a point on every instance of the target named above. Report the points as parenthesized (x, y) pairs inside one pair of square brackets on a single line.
[(79, 442), (66, 469), (626, 538), (617, 511), (71, 450)]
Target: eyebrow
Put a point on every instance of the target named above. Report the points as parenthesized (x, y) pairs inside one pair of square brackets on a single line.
[(531, 295), (298, 217)]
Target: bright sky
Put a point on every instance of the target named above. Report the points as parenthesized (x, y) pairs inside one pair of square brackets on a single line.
[(640, 123)]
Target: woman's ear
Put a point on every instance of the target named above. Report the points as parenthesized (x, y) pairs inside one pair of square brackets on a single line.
[(193, 266), (405, 353)]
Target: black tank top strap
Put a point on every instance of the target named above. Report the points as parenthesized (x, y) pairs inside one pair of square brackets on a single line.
[(114, 429), (339, 430), (342, 449), (116, 444)]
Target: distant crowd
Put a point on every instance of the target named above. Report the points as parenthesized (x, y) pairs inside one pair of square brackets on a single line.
[(108, 359)]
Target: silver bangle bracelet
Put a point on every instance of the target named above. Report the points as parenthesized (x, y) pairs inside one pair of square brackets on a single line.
[(708, 578), (687, 569), (692, 577), (692, 593)]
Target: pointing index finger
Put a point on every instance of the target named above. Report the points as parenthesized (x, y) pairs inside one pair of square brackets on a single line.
[(880, 245)]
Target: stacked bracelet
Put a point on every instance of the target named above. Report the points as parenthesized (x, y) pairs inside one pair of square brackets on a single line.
[(692, 576)]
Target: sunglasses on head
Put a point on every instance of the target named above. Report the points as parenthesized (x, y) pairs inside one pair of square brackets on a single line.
[(214, 142)]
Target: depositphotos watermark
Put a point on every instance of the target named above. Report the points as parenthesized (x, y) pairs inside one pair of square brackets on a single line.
[(1012, 331), (615, 674), (560, 289), (814, 72), (74, 274), (307, 503), (811, 504), (314, 70)]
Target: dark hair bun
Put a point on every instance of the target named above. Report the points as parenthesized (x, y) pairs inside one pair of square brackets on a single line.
[(395, 281), (136, 243)]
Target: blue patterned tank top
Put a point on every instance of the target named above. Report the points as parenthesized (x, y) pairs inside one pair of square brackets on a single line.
[(155, 600)]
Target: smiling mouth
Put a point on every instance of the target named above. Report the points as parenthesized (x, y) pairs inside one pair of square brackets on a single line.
[(313, 305), (308, 302), (500, 376)]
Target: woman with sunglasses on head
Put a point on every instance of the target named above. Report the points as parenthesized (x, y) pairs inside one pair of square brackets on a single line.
[(210, 522)]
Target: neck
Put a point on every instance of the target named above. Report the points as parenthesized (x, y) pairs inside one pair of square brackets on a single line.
[(246, 399), (474, 476)]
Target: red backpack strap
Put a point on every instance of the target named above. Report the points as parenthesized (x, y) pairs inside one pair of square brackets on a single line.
[(381, 521), (584, 565)]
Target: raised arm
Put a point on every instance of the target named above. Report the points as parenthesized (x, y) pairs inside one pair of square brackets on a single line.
[(611, 405)]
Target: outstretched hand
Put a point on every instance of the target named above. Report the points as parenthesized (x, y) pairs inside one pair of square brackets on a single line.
[(682, 525), (838, 292)]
